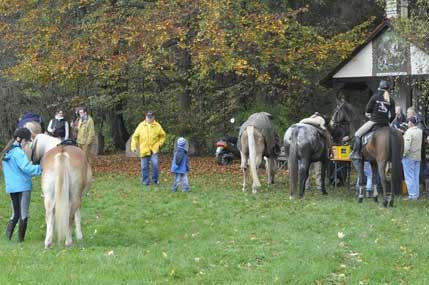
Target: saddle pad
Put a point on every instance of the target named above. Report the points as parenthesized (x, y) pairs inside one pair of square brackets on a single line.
[(367, 137)]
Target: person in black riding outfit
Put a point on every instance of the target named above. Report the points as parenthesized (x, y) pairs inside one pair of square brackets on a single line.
[(381, 108), (59, 127)]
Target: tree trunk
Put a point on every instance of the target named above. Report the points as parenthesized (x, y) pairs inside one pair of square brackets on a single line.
[(118, 130)]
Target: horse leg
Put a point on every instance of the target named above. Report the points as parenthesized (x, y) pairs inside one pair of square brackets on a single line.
[(243, 167), (258, 164), (79, 235), (304, 167), (382, 177), (359, 167), (49, 218), (323, 166), (271, 169)]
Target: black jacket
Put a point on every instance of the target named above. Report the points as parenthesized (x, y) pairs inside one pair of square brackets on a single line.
[(382, 112)]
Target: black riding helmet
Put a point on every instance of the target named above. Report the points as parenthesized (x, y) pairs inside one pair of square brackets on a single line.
[(384, 85), (22, 133)]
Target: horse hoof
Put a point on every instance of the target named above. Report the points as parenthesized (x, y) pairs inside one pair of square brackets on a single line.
[(376, 199), (290, 197), (391, 203), (385, 203), (324, 193), (360, 200)]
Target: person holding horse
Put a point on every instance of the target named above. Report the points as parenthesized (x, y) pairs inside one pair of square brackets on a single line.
[(381, 108), (86, 133), (18, 170), (59, 127), (412, 156), (149, 136)]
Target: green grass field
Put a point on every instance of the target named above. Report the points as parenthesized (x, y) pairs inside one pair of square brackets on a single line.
[(217, 234)]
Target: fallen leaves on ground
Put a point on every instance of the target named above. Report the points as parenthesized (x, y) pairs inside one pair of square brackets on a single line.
[(120, 164)]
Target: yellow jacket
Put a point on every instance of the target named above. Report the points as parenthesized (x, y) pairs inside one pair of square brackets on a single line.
[(149, 137), (86, 131)]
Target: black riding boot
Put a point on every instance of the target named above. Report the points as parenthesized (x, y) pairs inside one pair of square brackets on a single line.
[(10, 227), (357, 149), (22, 229)]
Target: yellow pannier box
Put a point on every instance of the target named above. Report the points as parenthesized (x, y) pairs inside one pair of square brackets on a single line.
[(340, 152)]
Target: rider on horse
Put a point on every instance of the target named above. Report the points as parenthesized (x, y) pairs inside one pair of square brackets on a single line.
[(381, 108)]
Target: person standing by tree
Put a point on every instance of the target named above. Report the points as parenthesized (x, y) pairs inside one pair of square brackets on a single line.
[(18, 170), (59, 127), (149, 136), (86, 133)]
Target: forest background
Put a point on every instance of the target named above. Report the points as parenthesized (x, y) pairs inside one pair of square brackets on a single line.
[(196, 63)]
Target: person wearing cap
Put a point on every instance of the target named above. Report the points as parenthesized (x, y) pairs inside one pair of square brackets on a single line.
[(412, 157), (381, 108), (180, 166), (17, 173), (86, 133), (149, 137)]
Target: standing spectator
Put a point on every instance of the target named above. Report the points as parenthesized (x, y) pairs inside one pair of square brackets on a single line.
[(17, 172), (74, 123), (85, 133), (399, 119), (59, 127), (180, 166), (412, 157), (149, 136)]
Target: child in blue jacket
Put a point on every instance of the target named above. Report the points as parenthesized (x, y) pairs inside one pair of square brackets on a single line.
[(18, 170), (180, 166)]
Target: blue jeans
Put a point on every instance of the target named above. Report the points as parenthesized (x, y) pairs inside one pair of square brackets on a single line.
[(412, 173), (176, 182), (367, 171), (145, 168)]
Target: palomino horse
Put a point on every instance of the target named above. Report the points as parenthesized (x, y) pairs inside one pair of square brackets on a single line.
[(256, 139), (385, 145), (66, 176), (304, 144)]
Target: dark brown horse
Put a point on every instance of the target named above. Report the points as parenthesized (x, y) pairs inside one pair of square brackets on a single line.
[(385, 145)]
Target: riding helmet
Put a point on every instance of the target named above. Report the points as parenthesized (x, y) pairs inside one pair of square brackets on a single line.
[(22, 133), (383, 85)]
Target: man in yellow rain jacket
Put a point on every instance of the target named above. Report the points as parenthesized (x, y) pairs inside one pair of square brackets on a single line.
[(149, 136)]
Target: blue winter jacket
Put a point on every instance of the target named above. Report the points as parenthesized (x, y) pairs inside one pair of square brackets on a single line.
[(17, 170), (180, 161)]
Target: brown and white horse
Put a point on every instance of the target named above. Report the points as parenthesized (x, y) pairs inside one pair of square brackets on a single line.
[(66, 176)]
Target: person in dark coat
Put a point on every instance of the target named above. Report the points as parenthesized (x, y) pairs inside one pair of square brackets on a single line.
[(400, 121), (59, 127)]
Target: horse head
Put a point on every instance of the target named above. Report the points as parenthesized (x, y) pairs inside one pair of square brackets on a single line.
[(345, 116), (41, 144)]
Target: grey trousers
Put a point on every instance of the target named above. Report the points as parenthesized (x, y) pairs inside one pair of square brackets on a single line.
[(20, 204), (364, 129)]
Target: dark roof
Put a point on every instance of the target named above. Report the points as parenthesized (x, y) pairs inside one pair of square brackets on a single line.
[(327, 80)]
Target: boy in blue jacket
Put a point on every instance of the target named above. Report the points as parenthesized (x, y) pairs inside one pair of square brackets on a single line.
[(180, 166), (18, 170)]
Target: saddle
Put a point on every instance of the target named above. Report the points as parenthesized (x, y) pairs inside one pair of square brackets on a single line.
[(68, 142), (366, 137)]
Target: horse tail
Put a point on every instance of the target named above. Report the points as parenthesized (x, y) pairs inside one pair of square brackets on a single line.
[(293, 164), (62, 194), (252, 155), (395, 158)]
